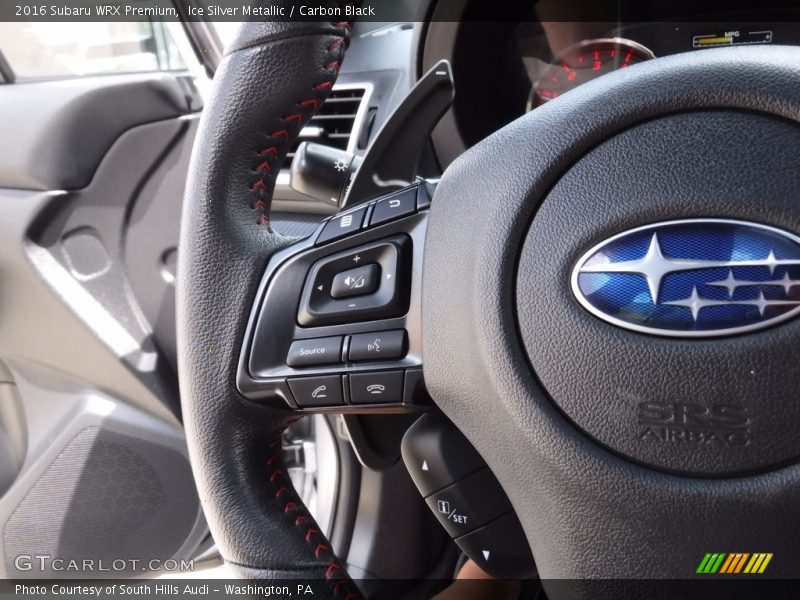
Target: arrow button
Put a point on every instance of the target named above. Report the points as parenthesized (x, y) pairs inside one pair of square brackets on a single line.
[(500, 548)]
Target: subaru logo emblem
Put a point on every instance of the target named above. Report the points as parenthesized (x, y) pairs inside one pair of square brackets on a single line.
[(692, 278)]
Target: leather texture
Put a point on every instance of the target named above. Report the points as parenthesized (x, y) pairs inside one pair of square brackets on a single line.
[(272, 79), (587, 512)]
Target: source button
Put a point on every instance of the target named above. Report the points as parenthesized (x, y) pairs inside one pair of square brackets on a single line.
[(316, 351)]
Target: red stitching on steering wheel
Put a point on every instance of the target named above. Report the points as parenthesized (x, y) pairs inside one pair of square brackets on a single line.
[(280, 138), (313, 537)]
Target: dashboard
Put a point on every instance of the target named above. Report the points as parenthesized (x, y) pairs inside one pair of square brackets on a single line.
[(554, 68), (503, 70)]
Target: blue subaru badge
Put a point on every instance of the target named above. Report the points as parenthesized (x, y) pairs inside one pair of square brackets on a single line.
[(692, 278)]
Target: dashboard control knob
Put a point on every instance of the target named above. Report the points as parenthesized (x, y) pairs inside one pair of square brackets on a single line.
[(322, 172)]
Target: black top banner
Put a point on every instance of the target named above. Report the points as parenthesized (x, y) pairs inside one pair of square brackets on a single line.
[(397, 10)]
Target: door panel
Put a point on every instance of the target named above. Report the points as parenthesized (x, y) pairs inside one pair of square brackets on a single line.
[(94, 461), (101, 480)]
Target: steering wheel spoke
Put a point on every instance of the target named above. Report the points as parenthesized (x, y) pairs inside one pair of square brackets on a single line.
[(257, 107)]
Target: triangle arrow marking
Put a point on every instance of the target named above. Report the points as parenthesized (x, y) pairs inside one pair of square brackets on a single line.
[(485, 554), (424, 465)]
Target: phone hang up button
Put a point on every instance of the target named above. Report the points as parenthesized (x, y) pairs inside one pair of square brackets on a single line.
[(379, 387)]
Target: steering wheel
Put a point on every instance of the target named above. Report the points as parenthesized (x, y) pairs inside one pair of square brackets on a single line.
[(611, 443)]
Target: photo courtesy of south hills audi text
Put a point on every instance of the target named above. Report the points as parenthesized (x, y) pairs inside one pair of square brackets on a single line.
[(74, 591)]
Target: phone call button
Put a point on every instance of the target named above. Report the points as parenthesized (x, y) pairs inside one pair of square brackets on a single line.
[(317, 391), (378, 387)]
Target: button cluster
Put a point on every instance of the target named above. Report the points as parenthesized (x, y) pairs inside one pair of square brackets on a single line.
[(361, 284), (367, 388), (387, 208), (380, 345), (335, 325), (372, 387), (466, 497)]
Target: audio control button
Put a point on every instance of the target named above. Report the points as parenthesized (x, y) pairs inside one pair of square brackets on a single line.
[(356, 282), (316, 351)]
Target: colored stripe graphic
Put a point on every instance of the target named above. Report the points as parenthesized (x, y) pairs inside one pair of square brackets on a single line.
[(711, 562), (703, 563), (764, 564), (758, 563), (718, 562), (734, 563), (752, 563), (727, 564), (740, 564)]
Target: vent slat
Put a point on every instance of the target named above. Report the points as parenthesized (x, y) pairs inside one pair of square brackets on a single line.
[(352, 117), (337, 100)]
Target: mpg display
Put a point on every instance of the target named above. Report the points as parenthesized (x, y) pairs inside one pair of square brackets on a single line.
[(732, 38)]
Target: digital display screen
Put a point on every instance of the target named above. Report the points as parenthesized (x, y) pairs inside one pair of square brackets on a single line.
[(732, 38)]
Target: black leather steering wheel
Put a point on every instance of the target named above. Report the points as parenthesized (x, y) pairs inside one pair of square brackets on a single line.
[(273, 78), (546, 392)]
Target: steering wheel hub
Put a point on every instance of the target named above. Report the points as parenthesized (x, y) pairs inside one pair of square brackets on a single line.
[(651, 398), (651, 378)]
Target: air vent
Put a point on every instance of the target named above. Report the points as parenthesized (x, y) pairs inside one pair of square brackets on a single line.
[(334, 123)]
